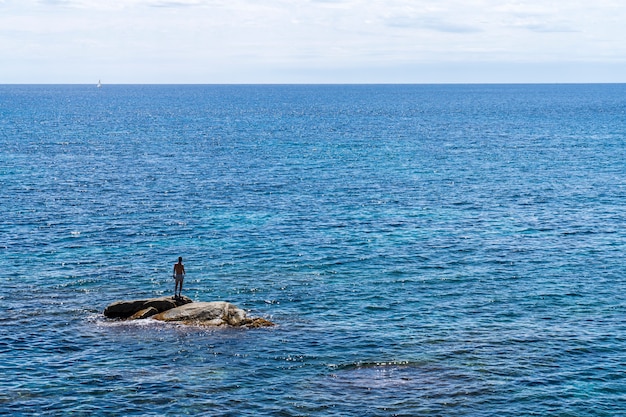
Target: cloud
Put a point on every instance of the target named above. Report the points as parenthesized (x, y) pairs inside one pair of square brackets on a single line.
[(220, 38), (174, 4), (431, 23), (57, 2), (549, 27), (54, 2)]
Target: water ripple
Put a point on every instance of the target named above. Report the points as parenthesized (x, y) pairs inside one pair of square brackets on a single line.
[(425, 250)]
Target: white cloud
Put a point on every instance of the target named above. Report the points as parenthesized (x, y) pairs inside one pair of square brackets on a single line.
[(301, 40)]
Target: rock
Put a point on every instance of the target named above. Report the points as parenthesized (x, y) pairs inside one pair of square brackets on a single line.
[(215, 313), (258, 322), (144, 314), (125, 309), (183, 310)]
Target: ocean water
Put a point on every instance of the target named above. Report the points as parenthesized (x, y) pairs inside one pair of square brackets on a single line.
[(450, 250)]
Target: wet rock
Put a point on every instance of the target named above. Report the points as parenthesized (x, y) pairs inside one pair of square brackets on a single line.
[(125, 309), (144, 314)]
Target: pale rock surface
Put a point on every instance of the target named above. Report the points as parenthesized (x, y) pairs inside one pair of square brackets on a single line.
[(214, 313)]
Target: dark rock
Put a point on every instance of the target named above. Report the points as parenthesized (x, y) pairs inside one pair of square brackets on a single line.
[(144, 314), (125, 309), (258, 322)]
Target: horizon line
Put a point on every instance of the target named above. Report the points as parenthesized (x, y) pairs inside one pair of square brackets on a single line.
[(329, 83)]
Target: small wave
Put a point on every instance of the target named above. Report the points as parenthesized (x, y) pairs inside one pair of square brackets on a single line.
[(405, 375), (145, 323), (367, 365)]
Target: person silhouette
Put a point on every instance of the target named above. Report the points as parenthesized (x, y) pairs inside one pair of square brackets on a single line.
[(179, 277)]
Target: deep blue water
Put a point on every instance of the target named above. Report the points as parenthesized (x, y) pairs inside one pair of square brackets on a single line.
[(451, 250)]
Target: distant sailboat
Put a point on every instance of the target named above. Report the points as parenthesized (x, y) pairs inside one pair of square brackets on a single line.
[(99, 84)]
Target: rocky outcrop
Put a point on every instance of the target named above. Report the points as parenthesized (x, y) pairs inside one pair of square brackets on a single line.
[(183, 310)]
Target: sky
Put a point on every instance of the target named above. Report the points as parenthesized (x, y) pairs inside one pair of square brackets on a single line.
[(312, 41)]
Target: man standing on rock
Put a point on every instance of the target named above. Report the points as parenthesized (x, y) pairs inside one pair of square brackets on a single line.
[(179, 276)]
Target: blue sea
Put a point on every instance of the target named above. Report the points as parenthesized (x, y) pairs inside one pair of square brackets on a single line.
[(424, 250)]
